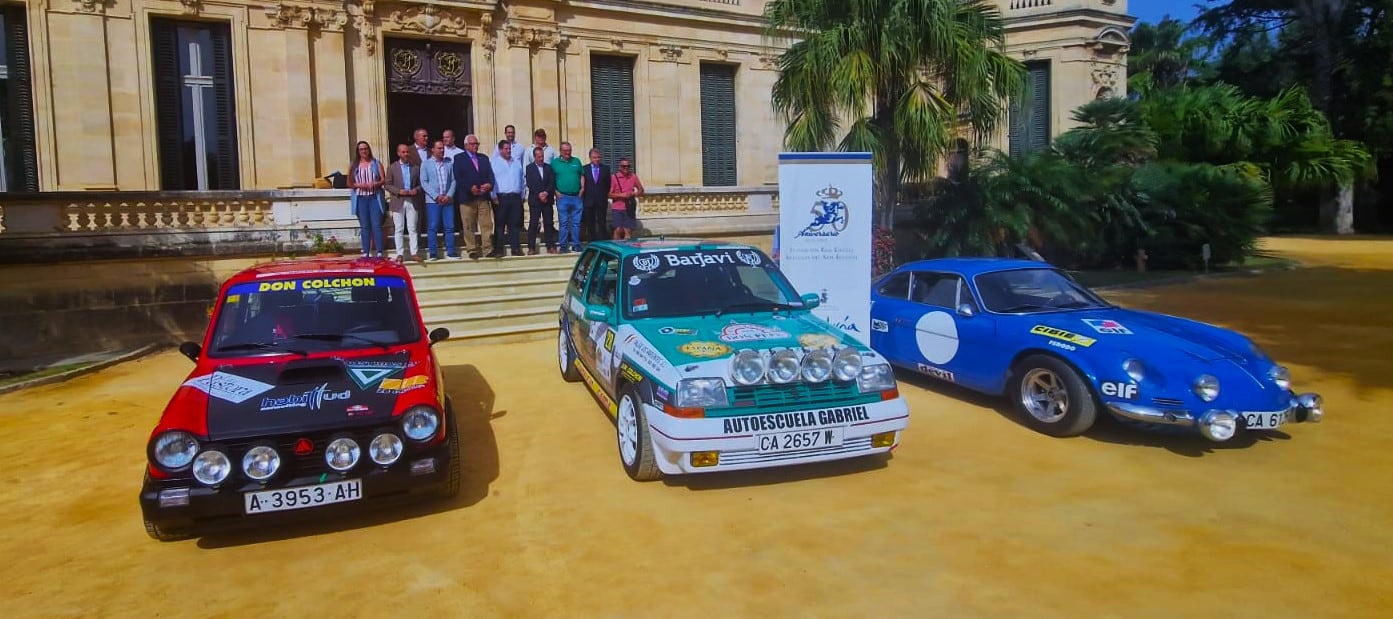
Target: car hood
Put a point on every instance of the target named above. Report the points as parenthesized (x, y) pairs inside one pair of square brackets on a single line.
[(686, 340), (1146, 333), (277, 396)]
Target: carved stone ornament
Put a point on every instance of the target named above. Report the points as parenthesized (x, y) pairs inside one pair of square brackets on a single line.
[(192, 7), (532, 37), (1104, 76), (289, 16), (362, 14), (430, 19), (670, 53), (93, 6), (768, 62)]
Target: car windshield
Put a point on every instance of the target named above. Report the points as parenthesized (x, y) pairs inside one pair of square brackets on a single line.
[(704, 281), (1033, 290), (333, 312)]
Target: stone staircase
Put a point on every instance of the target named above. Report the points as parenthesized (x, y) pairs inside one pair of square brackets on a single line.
[(493, 300)]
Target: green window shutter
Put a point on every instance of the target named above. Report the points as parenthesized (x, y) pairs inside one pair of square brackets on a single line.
[(612, 108), (20, 146), (718, 150), (1029, 122)]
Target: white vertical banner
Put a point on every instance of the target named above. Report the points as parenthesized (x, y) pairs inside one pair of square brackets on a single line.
[(824, 234)]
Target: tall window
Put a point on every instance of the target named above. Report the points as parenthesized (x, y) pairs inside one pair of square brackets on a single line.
[(194, 105), (717, 124), (1030, 113), (19, 164), (612, 105)]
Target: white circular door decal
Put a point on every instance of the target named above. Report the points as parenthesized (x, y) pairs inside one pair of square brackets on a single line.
[(937, 336)]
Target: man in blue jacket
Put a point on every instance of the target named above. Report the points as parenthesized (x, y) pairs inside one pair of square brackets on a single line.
[(438, 184), (473, 182)]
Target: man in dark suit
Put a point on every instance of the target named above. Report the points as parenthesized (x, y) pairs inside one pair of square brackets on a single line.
[(473, 181), (594, 195), (541, 194)]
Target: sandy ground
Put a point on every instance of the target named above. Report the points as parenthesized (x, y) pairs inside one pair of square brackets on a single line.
[(973, 516)]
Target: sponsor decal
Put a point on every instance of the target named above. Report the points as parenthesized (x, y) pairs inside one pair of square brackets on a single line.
[(847, 324), (358, 410), (368, 373), (234, 299), (793, 421), (1126, 391), (817, 340), (644, 355), (749, 257), (647, 262), (630, 374), (705, 349), (1061, 334), (938, 373), (1107, 327), (313, 399), (698, 259), (609, 340), (595, 389), (313, 284), (1062, 346), (829, 213), (403, 385), (661, 393), (634, 280), (640, 305), (676, 331), (880, 325), (228, 387), (746, 332)]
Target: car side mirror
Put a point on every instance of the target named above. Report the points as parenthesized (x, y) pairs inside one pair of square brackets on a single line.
[(439, 334), (597, 312), (191, 350), (810, 301), (965, 310)]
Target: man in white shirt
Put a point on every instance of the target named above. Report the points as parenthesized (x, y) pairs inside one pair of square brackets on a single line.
[(422, 145), (451, 149), (510, 136), (539, 140), (508, 186)]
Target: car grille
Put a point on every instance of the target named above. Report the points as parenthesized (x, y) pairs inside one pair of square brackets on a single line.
[(792, 396), (312, 463), (1167, 402)]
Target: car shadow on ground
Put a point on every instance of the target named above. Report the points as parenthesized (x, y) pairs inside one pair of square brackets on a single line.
[(472, 400), (1105, 430)]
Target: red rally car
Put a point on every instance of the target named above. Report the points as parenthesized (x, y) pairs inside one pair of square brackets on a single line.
[(315, 385)]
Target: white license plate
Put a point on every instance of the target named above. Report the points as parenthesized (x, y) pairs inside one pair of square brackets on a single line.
[(1265, 421), (303, 496), (797, 441)]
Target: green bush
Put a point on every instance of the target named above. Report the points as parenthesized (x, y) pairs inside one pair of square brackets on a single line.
[(1186, 205)]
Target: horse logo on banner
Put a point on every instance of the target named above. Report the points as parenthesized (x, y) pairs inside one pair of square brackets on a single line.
[(829, 214)]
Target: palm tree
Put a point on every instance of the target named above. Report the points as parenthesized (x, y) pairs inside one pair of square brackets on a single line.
[(901, 78), (1160, 55)]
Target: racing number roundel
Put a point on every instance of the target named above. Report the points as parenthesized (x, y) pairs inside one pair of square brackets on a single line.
[(937, 336)]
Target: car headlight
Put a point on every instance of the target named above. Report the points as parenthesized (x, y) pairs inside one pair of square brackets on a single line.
[(1219, 425), (817, 365), (846, 365), (261, 462), (746, 367), (385, 448), (783, 366), (175, 450), (877, 377), (701, 393), (211, 467), (1281, 376), (1206, 387), (420, 423), (341, 454), (1135, 369)]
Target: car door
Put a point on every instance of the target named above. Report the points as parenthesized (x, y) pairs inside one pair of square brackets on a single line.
[(595, 340), (949, 334), (574, 303), (888, 305)]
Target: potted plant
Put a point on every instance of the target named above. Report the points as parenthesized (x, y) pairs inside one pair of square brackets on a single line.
[(329, 247)]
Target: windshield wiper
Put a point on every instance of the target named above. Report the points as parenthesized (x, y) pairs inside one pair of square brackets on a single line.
[(1025, 306), (772, 305), (262, 346), (1076, 304), (339, 337)]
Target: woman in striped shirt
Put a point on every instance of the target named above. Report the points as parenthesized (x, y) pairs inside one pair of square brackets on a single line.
[(366, 201)]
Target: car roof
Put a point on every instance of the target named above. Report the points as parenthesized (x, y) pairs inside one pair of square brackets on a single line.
[(974, 266), (315, 267), (651, 244)]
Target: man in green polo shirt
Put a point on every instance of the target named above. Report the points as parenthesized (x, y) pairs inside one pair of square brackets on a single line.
[(568, 204)]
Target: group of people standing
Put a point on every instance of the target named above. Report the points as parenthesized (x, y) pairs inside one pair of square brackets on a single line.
[(441, 180)]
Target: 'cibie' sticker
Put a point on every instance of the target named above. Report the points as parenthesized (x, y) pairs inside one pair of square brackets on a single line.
[(230, 387), (1061, 334), (745, 332), (1107, 327), (705, 349), (817, 340)]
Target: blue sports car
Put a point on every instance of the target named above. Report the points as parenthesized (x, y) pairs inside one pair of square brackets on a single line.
[(1061, 353)]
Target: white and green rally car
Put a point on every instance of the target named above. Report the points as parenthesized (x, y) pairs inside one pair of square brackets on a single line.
[(708, 360)]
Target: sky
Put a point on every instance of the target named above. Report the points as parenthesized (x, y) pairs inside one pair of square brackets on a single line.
[(1153, 10)]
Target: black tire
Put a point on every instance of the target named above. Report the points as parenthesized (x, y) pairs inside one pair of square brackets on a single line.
[(645, 463), (566, 356), (166, 534), (1049, 377), (452, 480)]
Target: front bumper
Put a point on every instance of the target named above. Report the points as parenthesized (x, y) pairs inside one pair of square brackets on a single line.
[(223, 507), (1304, 408), (675, 439)]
